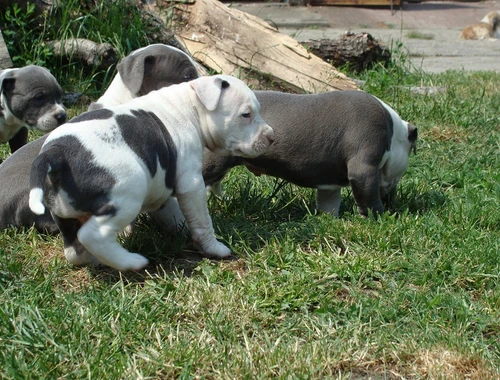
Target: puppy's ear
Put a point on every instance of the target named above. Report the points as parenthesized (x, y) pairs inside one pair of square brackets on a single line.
[(209, 90), (7, 84), (412, 137), (132, 69)]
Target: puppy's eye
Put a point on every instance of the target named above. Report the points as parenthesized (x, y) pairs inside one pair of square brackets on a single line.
[(38, 98), (188, 77), (246, 115)]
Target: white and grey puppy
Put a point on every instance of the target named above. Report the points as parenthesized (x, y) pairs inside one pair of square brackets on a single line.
[(328, 141), (30, 97), (147, 69), (487, 28), (144, 70), (108, 165)]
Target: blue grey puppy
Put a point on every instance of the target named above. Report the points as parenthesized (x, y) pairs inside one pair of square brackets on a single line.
[(30, 97), (328, 141)]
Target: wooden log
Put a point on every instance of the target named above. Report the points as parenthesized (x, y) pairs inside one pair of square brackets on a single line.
[(86, 51), (233, 42), (360, 51), (5, 61)]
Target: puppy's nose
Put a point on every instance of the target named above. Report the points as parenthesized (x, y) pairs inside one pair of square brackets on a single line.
[(61, 117), (270, 135)]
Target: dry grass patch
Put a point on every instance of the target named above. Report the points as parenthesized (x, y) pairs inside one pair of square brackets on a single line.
[(447, 134), (437, 363), (238, 267), (440, 363)]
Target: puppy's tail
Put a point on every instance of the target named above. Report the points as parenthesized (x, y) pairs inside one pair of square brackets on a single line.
[(48, 163)]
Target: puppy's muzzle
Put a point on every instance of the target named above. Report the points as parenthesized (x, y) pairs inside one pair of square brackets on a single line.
[(264, 141)]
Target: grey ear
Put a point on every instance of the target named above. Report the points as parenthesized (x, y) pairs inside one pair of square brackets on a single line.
[(209, 90), (412, 137), (7, 83), (132, 69)]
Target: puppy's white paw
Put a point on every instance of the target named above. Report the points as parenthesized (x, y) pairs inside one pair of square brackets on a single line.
[(77, 257), (217, 250), (133, 261)]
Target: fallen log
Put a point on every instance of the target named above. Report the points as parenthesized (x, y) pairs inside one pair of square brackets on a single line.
[(88, 52), (359, 51), (5, 61), (232, 42)]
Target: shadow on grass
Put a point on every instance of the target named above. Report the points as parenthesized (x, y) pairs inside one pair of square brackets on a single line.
[(247, 221), (168, 252)]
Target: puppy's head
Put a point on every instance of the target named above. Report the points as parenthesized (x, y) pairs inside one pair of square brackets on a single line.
[(396, 166), (154, 67), (230, 117), (492, 19), (33, 97)]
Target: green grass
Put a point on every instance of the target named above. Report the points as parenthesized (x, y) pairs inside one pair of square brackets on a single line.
[(412, 294), (26, 34), (420, 36)]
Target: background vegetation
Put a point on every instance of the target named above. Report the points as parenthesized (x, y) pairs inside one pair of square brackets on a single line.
[(413, 294)]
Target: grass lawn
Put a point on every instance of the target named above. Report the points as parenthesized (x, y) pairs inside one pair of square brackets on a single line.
[(412, 294)]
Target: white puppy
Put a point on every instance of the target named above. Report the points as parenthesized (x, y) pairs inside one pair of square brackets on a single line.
[(108, 165)]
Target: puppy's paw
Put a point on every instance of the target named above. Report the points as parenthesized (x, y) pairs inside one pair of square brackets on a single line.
[(133, 261), (77, 255), (217, 250)]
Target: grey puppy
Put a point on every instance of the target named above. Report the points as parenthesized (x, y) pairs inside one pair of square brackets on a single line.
[(328, 141), (30, 97), (142, 71)]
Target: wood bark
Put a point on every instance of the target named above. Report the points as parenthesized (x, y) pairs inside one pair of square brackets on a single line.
[(232, 42), (88, 52), (5, 61), (360, 51)]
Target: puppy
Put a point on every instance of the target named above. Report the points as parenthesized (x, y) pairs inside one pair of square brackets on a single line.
[(489, 27), (108, 165), (30, 97), (144, 70), (328, 141)]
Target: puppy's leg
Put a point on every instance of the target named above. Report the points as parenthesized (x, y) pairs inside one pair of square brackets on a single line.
[(170, 215), (364, 181), (328, 200), (20, 139), (388, 199), (98, 235), (194, 208), (74, 251), (216, 188)]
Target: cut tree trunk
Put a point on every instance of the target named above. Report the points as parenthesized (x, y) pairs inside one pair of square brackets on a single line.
[(86, 51), (5, 61), (232, 42), (359, 51)]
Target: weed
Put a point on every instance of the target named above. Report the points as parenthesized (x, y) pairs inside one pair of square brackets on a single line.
[(26, 34), (420, 36)]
